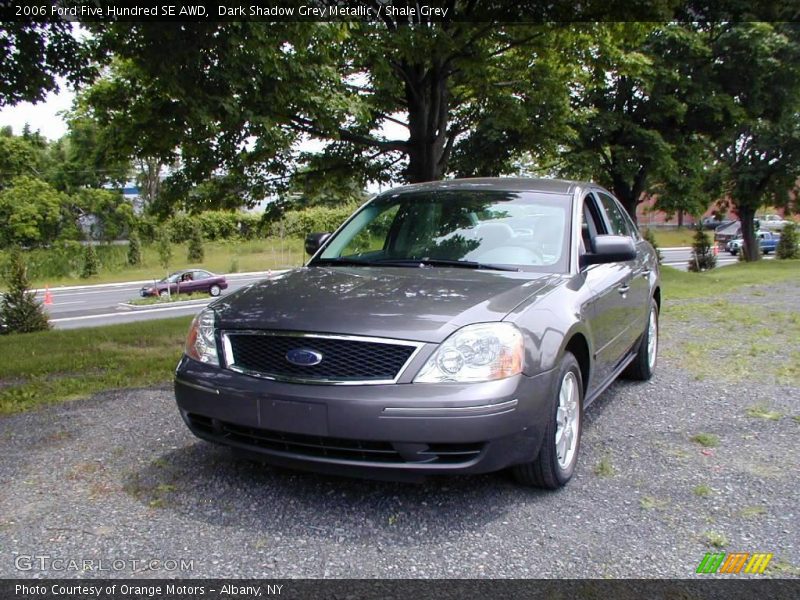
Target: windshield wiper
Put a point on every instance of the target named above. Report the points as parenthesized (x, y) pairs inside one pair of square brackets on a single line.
[(441, 262)]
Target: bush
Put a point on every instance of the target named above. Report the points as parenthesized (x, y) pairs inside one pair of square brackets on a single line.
[(91, 264), (787, 245), (164, 247), (20, 312), (147, 227), (31, 212), (299, 223), (650, 237), (196, 253), (703, 257), (214, 225), (134, 249)]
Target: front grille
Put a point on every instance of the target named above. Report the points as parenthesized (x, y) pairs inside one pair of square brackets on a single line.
[(313, 446), (343, 359)]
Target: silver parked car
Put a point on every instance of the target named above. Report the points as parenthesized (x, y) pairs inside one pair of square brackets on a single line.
[(452, 327)]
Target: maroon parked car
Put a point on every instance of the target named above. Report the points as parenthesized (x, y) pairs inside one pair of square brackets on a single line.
[(187, 282)]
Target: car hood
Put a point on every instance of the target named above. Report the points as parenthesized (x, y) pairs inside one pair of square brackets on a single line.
[(420, 304)]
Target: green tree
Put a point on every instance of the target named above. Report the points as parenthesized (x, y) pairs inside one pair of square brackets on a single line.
[(639, 111), (114, 214), (787, 245), (196, 252), (18, 157), (134, 249), (703, 258), (20, 312), (35, 52), (757, 82), (87, 155), (91, 264), (31, 212), (477, 91)]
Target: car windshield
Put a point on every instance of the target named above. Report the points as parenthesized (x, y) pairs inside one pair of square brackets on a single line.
[(453, 228)]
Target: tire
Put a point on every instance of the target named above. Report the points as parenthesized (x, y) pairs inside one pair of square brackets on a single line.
[(214, 290), (551, 469), (644, 365), (163, 294)]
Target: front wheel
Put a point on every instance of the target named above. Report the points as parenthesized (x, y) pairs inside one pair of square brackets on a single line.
[(644, 365), (555, 463)]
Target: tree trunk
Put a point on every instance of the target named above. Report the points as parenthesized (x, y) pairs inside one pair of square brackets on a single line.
[(627, 192), (680, 218), (428, 98), (627, 197), (750, 251)]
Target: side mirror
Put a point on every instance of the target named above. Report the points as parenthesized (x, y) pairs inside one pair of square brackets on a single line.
[(608, 249), (314, 242)]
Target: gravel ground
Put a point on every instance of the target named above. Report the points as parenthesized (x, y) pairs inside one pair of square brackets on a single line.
[(119, 477)]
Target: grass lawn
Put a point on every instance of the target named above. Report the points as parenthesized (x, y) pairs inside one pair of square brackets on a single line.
[(684, 285), (42, 368), (675, 238), (736, 323), (51, 366)]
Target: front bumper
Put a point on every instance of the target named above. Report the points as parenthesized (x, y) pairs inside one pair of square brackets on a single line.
[(398, 429)]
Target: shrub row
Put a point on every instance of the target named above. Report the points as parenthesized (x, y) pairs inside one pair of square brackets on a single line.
[(214, 225), (299, 223)]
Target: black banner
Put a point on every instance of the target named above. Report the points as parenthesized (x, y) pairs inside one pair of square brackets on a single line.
[(523, 11), (288, 589)]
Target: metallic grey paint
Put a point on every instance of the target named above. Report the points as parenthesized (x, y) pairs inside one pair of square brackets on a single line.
[(605, 307)]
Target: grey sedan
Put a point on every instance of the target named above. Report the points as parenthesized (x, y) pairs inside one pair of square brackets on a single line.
[(451, 327)]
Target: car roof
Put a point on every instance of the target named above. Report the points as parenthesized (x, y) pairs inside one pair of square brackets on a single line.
[(182, 271), (500, 184)]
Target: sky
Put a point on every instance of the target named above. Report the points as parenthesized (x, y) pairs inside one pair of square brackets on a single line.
[(42, 116)]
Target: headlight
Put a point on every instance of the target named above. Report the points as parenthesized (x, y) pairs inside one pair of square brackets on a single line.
[(200, 343), (481, 352)]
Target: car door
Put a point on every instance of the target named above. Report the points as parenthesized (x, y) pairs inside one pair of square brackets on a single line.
[(604, 308), (633, 308), (200, 281)]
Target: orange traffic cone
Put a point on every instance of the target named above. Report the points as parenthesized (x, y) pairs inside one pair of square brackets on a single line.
[(48, 296)]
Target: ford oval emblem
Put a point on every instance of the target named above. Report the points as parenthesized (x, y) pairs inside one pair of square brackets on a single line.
[(303, 357)]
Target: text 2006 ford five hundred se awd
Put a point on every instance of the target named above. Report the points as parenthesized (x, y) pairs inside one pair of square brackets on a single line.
[(451, 327)]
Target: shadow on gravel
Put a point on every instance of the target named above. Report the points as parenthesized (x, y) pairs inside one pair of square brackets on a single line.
[(209, 483)]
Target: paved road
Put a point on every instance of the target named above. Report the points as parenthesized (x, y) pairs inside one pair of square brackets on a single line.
[(88, 306), (679, 257)]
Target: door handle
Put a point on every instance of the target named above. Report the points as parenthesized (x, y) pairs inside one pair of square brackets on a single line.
[(624, 289), (646, 273)]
